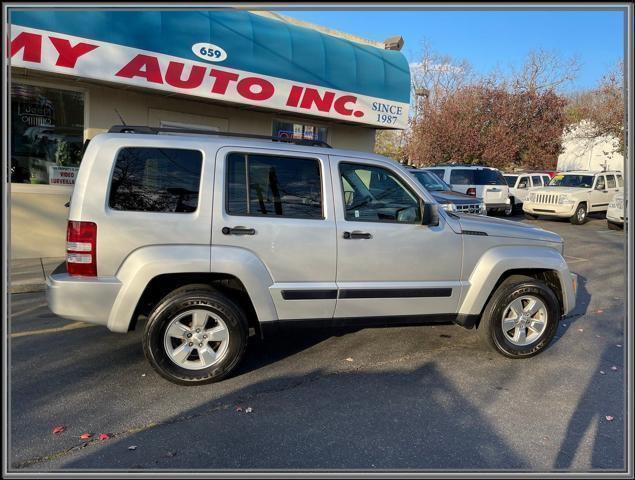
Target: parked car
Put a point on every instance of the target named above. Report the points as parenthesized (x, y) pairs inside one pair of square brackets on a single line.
[(446, 197), (616, 213), (481, 182), (206, 239), (574, 195), (520, 183)]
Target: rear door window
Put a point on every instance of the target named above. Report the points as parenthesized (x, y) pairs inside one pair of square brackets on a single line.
[(620, 182), (272, 185), (536, 180), (610, 181), (156, 180)]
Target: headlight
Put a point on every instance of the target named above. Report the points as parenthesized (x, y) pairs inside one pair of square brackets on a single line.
[(532, 197), (564, 200), (612, 205), (619, 203), (450, 207), (482, 209)]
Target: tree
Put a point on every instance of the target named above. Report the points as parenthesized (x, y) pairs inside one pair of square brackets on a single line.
[(602, 110)]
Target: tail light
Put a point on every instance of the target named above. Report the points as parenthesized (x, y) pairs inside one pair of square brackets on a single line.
[(81, 248), (471, 191)]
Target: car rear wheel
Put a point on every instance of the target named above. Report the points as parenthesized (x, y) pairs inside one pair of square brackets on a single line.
[(579, 217), (195, 335), (521, 318)]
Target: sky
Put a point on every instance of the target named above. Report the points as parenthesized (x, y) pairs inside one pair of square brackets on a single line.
[(491, 39)]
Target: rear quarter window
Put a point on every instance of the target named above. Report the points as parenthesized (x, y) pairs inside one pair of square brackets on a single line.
[(148, 179), (462, 177)]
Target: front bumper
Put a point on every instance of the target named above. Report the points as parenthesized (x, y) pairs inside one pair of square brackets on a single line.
[(553, 210), (86, 299), (615, 215)]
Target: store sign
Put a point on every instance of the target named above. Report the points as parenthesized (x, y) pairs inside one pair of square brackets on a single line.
[(62, 175), (81, 57)]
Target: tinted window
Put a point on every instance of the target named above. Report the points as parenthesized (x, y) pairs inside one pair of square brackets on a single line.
[(546, 179), (511, 180), (536, 180), (431, 181), (462, 177), (374, 194), (156, 180), (610, 181), (273, 186), (438, 172), (524, 182)]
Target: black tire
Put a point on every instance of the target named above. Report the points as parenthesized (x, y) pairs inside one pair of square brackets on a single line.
[(510, 212), (490, 328), (180, 300), (575, 219), (613, 226), (531, 216)]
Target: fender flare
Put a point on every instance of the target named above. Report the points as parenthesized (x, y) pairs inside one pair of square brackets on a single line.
[(146, 263), (499, 260)]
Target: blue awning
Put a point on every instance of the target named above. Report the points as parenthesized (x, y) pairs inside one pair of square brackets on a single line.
[(253, 43)]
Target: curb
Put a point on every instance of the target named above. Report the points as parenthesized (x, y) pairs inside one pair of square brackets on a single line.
[(30, 287)]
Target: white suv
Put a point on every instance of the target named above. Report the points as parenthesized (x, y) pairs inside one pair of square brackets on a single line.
[(478, 181), (521, 183), (573, 195), (207, 239)]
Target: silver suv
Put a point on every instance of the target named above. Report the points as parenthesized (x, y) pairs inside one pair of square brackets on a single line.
[(206, 239)]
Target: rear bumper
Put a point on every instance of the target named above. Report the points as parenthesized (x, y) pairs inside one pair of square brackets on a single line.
[(84, 299)]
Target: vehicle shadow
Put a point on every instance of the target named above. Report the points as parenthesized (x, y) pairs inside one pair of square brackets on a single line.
[(392, 419), (601, 406)]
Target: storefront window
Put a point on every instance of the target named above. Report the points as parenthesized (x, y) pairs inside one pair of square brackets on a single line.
[(47, 134), (305, 131)]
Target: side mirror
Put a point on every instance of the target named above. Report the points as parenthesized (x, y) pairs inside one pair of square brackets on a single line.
[(522, 185), (430, 214)]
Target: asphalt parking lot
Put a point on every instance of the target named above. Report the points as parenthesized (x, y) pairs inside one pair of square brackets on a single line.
[(418, 397)]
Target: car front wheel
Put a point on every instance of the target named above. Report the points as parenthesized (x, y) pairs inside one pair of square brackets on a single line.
[(579, 217), (521, 318), (195, 335)]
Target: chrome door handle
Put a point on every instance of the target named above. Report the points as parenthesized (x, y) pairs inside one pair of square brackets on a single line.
[(356, 235), (238, 231)]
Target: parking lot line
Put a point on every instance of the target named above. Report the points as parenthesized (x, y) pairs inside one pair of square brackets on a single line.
[(44, 331), (572, 259), (28, 310)]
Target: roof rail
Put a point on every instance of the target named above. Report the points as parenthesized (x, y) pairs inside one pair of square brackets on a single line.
[(142, 129)]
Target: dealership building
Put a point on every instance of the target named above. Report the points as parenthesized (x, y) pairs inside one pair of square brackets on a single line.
[(75, 74)]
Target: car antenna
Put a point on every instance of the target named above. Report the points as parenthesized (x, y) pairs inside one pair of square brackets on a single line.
[(121, 118)]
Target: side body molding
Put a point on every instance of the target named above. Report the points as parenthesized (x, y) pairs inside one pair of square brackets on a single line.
[(252, 272), (143, 265), (496, 261)]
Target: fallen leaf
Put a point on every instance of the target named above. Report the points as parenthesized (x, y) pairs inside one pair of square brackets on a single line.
[(59, 429), (618, 345), (349, 359), (132, 447), (239, 409), (614, 368), (85, 436), (598, 336), (580, 329), (600, 311), (170, 454), (609, 418), (104, 436), (564, 324), (602, 372), (248, 410), (143, 374)]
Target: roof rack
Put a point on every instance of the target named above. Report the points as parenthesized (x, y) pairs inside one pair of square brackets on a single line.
[(142, 129)]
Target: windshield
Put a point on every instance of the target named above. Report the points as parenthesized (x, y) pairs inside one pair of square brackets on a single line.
[(431, 181), (580, 181), (511, 179)]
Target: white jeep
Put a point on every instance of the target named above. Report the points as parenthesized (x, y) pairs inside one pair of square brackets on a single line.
[(574, 195)]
